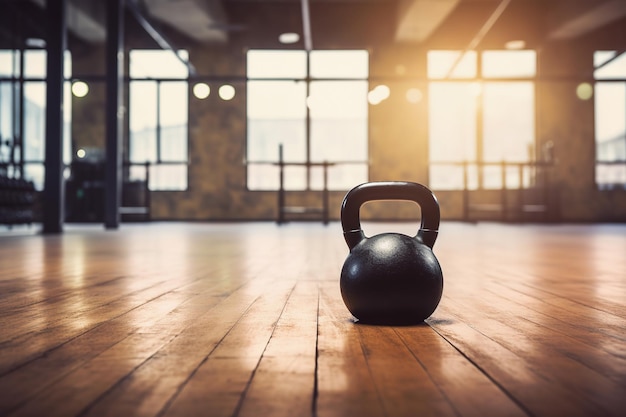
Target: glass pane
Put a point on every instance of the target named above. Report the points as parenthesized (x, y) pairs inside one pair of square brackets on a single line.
[(143, 105), (276, 99), (341, 177), (35, 173), (264, 137), (143, 120), (492, 177), (276, 114), (157, 64), (67, 65), (515, 177), (446, 177), (67, 122), (508, 121), (35, 63), (173, 103), (168, 177), (601, 57), (174, 143), (7, 107), (610, 126), (137, 173), (263, 177), (295, 178), (509, 64), (614, 69), (34, 120), (9, 60), (452, 121), (441, 62), (276, 64), (173, 118), (339, 64), (338, 121), (609, 175)]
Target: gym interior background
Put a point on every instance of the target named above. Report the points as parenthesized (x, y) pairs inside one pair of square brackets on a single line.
[(189, 128), (508, 110)]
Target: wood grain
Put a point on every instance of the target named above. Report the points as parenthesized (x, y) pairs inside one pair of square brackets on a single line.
[(247, 320)]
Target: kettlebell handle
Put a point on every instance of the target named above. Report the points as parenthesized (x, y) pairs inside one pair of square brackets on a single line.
[(394, 190)]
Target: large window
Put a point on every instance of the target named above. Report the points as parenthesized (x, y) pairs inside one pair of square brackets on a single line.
[(158, 118), (314, 105), (479, 116), (23, 114), (610, 118)]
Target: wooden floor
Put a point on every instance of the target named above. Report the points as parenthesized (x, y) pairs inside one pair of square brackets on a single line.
[(247, 320)]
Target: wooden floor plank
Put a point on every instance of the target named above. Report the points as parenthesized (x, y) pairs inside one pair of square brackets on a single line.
[(284, 381), (76, 391), (189, 346), (453, 373), (563, 327), (516, 377), (41, 336), (344, 384), (403, 385), (215, 387), (568, 381), (247, 319), (558, 364)]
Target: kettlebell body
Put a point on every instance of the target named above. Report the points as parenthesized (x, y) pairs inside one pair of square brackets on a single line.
[(391, 278)]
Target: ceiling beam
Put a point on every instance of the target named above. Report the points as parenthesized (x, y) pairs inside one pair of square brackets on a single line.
[(306, 25), (200, 20), (156, 34), (617, 55), (482, 32), (84, 19), (590, 19), (418, 19)]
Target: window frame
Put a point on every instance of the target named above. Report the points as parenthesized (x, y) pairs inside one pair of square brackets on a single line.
[(609, 71), (158, 164), (311, 169), (471, 169)]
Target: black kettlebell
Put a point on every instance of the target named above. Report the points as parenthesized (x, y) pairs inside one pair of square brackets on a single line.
[(391, 278)]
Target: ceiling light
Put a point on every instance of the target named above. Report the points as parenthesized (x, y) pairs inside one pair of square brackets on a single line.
[(201, 90), (378, 94), (516, 44), (35, 43), (414, 95), (584, 91), (226, 92), (288, 37), (80, 88)]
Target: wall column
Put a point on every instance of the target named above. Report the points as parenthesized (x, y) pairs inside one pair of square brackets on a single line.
[(114, 112), (53, 193)]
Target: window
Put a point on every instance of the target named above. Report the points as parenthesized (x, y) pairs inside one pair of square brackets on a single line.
[(610, 119), (22, 144), (315, 106), (158, 111), (477, 123)]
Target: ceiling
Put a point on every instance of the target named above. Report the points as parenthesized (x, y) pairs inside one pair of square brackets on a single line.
[(436, 23)]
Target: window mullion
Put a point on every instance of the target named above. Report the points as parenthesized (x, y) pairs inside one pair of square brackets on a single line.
[(308, 120), (158, 122)]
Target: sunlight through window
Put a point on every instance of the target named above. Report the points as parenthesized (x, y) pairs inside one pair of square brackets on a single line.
[(280, 100), (610, 119), (481, 120), (158, 114)]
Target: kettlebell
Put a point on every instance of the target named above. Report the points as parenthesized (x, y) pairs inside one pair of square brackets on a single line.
[(391, 278)]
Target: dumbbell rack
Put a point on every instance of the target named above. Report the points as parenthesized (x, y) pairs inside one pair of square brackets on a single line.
[(17, 199)]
